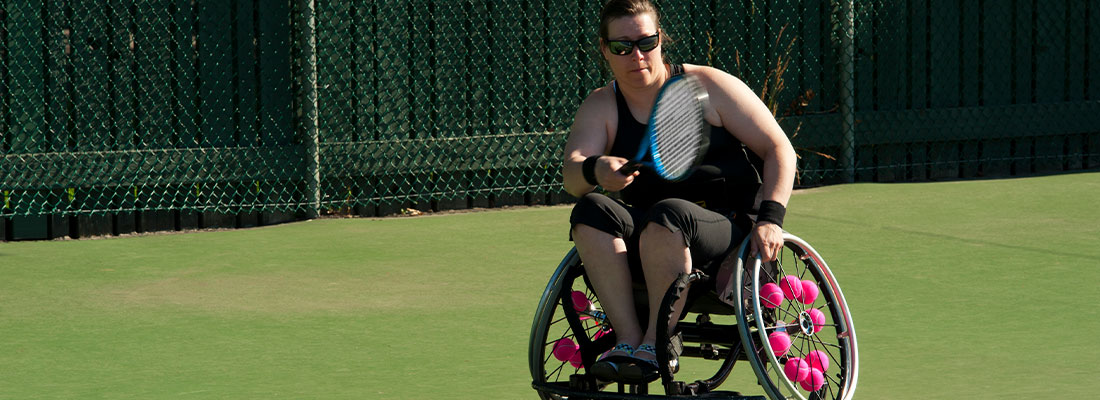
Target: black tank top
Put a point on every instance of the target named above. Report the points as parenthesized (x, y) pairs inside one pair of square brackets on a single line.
[(726, 181)]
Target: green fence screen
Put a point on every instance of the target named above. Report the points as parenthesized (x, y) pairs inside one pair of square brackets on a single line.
[(118, 116)]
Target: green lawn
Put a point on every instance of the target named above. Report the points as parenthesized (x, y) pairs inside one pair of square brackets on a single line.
[(977, 289), (981, 289)]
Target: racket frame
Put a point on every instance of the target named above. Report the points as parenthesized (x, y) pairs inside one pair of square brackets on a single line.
[(648, 141)]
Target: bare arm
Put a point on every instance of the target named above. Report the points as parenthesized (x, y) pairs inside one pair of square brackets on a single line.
[(591, 135), (745, 115)]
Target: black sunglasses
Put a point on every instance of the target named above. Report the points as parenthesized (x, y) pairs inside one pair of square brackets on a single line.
[(624, 47)]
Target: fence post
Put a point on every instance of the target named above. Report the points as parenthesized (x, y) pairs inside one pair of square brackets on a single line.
[(846, 27), (307, 43)]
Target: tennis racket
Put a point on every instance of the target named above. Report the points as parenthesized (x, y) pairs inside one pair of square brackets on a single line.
[(678, 133)]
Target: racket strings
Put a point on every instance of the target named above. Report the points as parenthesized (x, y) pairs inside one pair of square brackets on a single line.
[(678, 122)]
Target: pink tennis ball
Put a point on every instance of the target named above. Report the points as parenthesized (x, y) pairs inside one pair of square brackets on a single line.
[(564, 349), (818, 360), (817, 317), (770, 295), (814, 381), (580, 301), (796, 369), (576, 360), (809, 292), (779, 342), (792, 287)]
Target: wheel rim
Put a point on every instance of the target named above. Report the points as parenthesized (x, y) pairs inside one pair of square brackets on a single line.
[(559, 323), (834, 341)]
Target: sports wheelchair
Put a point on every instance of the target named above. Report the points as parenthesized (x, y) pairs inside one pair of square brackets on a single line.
[(801, 343)]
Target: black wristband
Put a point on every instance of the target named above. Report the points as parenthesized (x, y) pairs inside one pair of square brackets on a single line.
[(589, 170), (771, 211)]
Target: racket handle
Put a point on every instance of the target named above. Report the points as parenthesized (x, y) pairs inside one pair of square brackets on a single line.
[(630, 167)]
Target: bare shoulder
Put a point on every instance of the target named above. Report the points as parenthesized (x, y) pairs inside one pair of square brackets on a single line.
[(738, 108), (594, 125), (598, 107), (730, 98), (703, 71), (718, 82), (599, 99)]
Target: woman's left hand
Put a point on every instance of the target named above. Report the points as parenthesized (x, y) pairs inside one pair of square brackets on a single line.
[(767, 240)]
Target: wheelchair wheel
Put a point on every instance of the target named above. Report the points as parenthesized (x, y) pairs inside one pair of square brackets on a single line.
[(804, 346), (568, 333)]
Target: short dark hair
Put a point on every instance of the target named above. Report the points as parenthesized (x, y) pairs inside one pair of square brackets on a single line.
[(625, 8)]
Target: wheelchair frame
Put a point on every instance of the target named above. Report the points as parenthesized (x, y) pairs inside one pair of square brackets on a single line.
[(734, 290)]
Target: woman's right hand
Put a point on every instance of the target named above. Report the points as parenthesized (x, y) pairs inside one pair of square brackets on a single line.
[(607, 173)]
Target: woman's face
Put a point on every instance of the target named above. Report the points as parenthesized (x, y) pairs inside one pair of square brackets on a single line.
[(636, 68)]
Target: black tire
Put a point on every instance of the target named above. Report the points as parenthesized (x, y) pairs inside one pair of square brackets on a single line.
[(556, 319)]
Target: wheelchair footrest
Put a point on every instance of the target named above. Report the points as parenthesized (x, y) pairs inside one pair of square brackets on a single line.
[(584, 383), (563, 389)]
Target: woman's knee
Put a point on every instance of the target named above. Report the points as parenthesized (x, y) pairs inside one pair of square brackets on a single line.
[(584, 233), (708, 234), (589, 206), (671, 214), (665, 224), (656, 235), (599, 213)]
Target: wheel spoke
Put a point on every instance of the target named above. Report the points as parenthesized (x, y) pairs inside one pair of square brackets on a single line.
[(809, 333)]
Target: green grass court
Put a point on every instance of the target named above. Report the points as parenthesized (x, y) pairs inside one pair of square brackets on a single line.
[(959, 290)]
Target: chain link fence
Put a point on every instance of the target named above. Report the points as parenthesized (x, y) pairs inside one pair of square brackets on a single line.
[(116, 113), (120, 116), (947, 90)]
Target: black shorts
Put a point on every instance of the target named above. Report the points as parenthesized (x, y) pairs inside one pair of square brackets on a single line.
[(708, 234)]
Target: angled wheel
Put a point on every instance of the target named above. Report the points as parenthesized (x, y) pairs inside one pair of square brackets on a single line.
[(802, 343), (568, 333)]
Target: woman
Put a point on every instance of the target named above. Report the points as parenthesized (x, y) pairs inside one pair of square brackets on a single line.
[(660, 229)]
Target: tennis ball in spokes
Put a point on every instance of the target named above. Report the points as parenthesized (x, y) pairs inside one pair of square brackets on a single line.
[(818, 360), (814, 381), (780, 342), (576, 360), (770, 295), (580, 301), (564, 349), (797, 370), (817, 317), (792, 287), (809, 292)]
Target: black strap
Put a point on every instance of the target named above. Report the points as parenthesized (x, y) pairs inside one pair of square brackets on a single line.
[(588, 169), (677, 69), (771, 211)]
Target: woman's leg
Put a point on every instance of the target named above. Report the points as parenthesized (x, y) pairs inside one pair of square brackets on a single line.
[(601, 228), (664, 257), (605, 263), (678, 236)]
